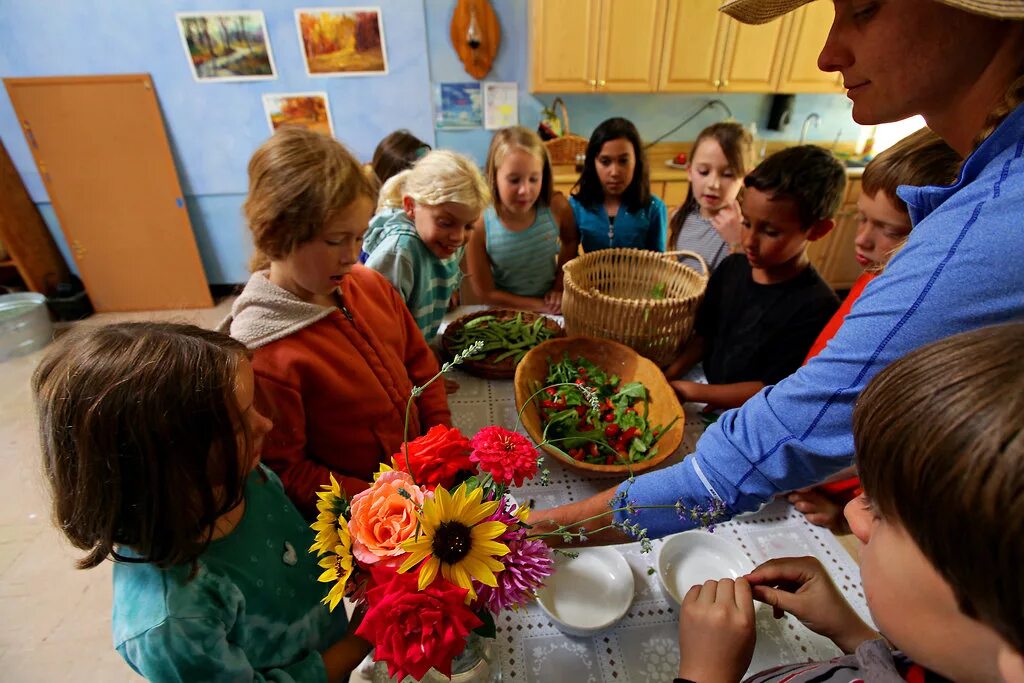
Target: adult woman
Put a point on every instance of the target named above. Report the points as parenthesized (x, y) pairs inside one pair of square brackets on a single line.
[(959, 270)]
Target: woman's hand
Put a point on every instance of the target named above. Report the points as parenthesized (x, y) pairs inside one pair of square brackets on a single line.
[(716, 631), (802, 587), (728, 222)]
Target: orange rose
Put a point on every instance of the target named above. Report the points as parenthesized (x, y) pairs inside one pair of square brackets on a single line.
[(382, 518)]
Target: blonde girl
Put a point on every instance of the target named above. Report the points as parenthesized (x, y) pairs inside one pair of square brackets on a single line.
[(516, 254), (416, 240), (151, 444), (708, 221)]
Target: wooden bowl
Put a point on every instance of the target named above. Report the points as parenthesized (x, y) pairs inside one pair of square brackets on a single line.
[(611, 357), (487, 368)]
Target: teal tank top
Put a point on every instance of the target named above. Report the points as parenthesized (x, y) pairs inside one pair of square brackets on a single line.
[(523, 263)]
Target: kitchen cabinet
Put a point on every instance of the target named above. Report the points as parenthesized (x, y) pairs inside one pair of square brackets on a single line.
[(675, 46), (807, 35), (615, 45), (833, 255)]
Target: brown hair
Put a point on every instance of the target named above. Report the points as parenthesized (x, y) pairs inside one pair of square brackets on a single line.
[(508, 140), (940, 447), (396, 153), (809, 175), (1011, 100), (922, 158), (738, 147), (297, 179), (138, 423)]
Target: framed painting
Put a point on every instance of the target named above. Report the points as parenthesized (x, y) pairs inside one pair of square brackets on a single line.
[(342, 41), (227, 46), (306, 109)]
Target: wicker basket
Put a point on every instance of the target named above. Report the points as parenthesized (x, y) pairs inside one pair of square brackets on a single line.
[(564, 149), (613, 293)]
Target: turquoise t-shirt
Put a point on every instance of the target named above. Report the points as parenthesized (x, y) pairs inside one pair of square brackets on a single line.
[(524, 262), (644, 228), (251, 613)]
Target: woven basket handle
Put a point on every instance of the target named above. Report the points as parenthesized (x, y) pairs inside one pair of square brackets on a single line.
[(564, 114), (692, 254)]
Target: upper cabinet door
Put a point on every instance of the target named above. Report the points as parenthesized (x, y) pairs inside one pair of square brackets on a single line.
[(630, 45), (800, 72), (565, 36), (753, 56), (695, 33)]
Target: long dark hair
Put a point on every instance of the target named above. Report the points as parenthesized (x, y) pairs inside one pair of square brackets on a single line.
[(737, 145), (140, 429), (396, 153), (588, 190)]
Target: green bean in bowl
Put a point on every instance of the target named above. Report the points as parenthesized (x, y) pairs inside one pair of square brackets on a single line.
[(505, 336)]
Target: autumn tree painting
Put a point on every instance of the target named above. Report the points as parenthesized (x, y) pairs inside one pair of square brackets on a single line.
[(308, 110), (343, 41), (227, 45)]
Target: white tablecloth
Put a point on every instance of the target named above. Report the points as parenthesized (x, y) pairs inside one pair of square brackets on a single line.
[(643, 646)]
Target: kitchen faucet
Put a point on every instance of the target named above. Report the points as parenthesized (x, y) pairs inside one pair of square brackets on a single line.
[(811, 120)]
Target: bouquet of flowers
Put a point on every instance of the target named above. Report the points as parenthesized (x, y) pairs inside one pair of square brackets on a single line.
[(436, 546)]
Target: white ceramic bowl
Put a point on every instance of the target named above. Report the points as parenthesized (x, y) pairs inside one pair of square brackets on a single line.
[(589, 593), (694, 557)]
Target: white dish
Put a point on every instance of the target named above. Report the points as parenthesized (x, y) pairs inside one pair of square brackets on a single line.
[(671, 163), (589, 593), (694, 557)]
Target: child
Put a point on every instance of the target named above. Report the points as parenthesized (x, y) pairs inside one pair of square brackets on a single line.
[(920, 159), (763, 308), (417, 238), (151, 446), (396, 153), (512, 253), (612, 202), (708, 221), (939, 437), (335, 350)]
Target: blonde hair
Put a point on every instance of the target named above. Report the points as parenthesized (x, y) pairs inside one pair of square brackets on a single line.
[(297, 180), (438, 178), (1013, 98), (508, 140)]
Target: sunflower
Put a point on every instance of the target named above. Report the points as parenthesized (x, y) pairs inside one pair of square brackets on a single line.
[(337, 566), (331, 506), (454, 538)]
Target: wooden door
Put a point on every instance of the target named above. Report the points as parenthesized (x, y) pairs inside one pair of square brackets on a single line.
[(695, 33), (753, 56), (630, 45), (102, 151), (563, 42), (800, 73)]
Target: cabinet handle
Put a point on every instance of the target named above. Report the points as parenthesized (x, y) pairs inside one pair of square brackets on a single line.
[(601, 84), (718, 83), (725, 84)]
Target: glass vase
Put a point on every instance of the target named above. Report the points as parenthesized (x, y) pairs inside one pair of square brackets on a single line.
[(478, 663)]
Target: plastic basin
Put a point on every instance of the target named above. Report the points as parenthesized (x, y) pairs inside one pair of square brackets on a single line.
[(24, 324)]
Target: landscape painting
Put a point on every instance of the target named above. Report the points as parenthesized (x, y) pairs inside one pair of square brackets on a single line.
[(343, 41), (308, 110), (226, 46)]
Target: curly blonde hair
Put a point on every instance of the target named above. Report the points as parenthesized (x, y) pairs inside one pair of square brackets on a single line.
[(438, 178), (297, 180)]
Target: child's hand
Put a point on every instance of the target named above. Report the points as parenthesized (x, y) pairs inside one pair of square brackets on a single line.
[(684, 389), (553, 302), (728, 222), (716, 632), (802, 587)]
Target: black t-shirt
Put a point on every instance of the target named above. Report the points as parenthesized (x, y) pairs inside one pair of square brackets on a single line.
[(757, 332)]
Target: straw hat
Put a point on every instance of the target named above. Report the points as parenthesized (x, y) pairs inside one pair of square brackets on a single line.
[(763, 11)]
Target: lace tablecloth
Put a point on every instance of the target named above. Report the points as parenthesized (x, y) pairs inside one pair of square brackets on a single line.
[(643, 646)]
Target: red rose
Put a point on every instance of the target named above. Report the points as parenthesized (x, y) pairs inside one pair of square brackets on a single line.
[(436, 457), (413, 630), (506, 456)]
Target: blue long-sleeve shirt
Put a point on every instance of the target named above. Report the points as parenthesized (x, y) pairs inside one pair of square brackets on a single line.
[(641, 229), (960, 270)]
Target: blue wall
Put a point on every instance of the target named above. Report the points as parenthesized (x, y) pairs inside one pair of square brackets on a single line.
[(214, 127)]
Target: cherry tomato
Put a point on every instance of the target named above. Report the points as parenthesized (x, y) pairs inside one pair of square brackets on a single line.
[(612, 430)]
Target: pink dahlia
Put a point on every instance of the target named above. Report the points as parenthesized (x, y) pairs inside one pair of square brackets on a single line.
[(527, 564), (506, 456)]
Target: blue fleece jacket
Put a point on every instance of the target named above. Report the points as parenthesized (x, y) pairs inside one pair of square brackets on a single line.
[(960, 270)]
